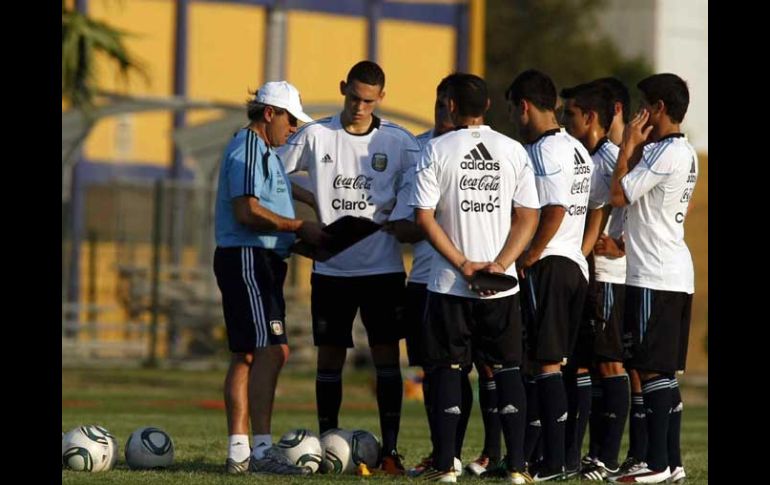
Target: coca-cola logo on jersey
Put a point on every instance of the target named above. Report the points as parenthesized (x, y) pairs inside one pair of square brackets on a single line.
[(580, 186), (485, 182), (356, 183)]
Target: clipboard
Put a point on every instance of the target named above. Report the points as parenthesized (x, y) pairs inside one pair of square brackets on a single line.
[(344, 232)]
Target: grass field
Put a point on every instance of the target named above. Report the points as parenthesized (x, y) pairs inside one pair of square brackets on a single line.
[(188, 405)]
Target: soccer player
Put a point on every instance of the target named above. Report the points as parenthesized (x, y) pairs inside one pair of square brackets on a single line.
[(553, 269), (476, 201), (357, 163), (416, 289), (588, 114), (255, 226), (655, 177)]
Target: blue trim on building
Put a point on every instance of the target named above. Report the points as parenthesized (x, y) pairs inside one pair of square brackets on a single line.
[(90, 172), (429, 13), (374, 14), (462, 30)]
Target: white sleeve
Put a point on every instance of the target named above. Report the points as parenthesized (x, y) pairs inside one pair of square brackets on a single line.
[(654, 168), (525, 192), (599, 195), (295, 153), (426, 187), (403, 210)]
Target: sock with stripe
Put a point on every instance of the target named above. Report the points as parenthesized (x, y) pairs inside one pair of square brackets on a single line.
[(637, 428), (466, 404), (512, 412), (446, 415), (675, 426), (595, 430), (657, 403), (533, 432), (390, 389), (616, 409), (328, 398), (490, 417), (552, 399)]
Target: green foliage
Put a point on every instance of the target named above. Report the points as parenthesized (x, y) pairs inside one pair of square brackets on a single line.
[(81, 38), (558, 37)]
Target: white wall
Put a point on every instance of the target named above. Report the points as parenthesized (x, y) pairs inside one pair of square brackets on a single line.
[(673, 36)]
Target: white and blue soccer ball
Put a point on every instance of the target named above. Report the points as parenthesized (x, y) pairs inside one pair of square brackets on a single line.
[(337, 452), (302, 447), (149, 447), (366, 448), (89, 448)]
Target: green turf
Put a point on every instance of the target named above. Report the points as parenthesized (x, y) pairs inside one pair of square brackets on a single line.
[(184, 403)]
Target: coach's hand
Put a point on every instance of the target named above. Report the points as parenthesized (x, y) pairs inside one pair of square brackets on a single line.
[(525, 261), (312, 233)]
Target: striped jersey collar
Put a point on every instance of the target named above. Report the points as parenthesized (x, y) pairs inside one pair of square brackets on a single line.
[(599, 145), (671, 135), (374, 125), (546, 133)]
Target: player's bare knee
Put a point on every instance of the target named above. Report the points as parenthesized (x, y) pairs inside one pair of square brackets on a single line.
[(242, 358)]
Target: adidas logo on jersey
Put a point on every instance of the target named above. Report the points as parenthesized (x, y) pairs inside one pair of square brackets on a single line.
[(479, 158), (327, 159), (580, 164)]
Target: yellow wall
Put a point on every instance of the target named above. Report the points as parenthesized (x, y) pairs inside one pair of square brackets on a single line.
[(150, 23), (411, 86), (224, 63), (321, 49)]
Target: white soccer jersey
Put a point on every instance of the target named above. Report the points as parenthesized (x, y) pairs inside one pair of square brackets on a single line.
[(472, 177), (358, 175), (605, 156), (563, 170), (422, 252), (658, 190)]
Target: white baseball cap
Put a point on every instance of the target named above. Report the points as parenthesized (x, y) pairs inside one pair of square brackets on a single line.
[(283, 95)]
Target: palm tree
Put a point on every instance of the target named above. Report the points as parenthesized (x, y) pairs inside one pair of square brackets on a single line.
[(81, 38)]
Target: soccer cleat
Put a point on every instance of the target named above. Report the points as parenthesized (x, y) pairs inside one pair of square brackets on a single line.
[(571, 473), (677, 475), (588, 460), (643, 475), (458, 467), (597, 472), (544, 475), (521, 478), (497, 470), (629, 466), (420, 468), (391, 464), (478, 466), (277, 464), (233, 467), (432, 475)]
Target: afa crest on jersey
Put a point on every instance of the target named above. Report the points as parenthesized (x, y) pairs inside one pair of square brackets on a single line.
[(380, 162)]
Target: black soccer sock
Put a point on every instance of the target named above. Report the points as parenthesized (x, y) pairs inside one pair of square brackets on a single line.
[(490, 417), (569, 376), (552, 399), (616, 409), (595, 421), (328, 397), (657, 403), (534, 428), (466, 404), (511, 409), (427, 399), (675, 426), (637, 428), (446, 415), (582, 413), (390, 389)]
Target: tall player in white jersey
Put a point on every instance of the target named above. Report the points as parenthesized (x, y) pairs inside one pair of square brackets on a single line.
[(356, 164), (417, 287), (588, 114), (476, 201), (553, 269), (656, 180)]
